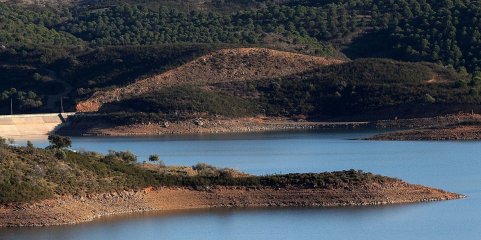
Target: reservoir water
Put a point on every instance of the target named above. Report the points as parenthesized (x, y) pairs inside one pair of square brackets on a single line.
[(453, 166)]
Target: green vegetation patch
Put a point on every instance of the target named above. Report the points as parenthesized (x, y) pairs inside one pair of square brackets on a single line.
[(190, 100), (382, 71), (30, 174), (20, 25), (365, 86)]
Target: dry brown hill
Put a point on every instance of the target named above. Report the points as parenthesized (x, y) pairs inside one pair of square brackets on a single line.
[(221, 66)]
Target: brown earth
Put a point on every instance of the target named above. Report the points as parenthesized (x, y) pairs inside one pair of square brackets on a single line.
[(428, 122), (449, 127), (195, 126), (77, 209), (434, 134), (221, 66)]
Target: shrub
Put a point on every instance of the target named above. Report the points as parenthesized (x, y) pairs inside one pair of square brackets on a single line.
[(474, 92), (161, 163), (461, 84), (59, 142), (60, 154), (154, 158), (429, 99), (125, 156), (201, 166)]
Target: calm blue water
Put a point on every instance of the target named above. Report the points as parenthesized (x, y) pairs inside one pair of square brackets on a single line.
[(453, 166)]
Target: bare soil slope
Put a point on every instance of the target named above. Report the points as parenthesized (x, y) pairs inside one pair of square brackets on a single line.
[(221, 66)]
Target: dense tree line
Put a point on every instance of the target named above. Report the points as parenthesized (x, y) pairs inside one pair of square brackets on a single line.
[(445, 31), (35, 27), (451, 36), (137, 25), (20, 100)]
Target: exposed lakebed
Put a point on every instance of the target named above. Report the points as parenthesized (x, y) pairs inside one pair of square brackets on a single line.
[(453, 166)]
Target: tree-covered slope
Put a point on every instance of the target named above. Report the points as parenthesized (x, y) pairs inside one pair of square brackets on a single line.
[(19, 25), (439, 31), (97, 45)]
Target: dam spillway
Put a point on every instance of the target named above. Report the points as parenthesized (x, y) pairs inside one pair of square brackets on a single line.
[(31, 124)]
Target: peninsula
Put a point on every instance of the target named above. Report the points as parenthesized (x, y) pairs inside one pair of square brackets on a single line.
[(56, 186)]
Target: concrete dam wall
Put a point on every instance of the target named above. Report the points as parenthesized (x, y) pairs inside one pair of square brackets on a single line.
[(31, 124)]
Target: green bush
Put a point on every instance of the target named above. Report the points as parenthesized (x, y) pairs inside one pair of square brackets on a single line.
[(60, 154), (154, 158), (125, 156), (429, 99), (59, 142)]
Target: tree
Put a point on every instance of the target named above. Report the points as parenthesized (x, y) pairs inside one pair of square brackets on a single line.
[(59, 142), (154, 158), (37, 77)]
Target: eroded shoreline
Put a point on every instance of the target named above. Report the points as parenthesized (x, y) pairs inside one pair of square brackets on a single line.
[(199, 126), (78, 209), (458, 127), (447, 127)]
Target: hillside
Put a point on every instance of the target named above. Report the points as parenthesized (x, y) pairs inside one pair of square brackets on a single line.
[(227, 65), (279, 94), (444, 32), (250, 82), (112, 56), (55, 186), (76, 48)]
